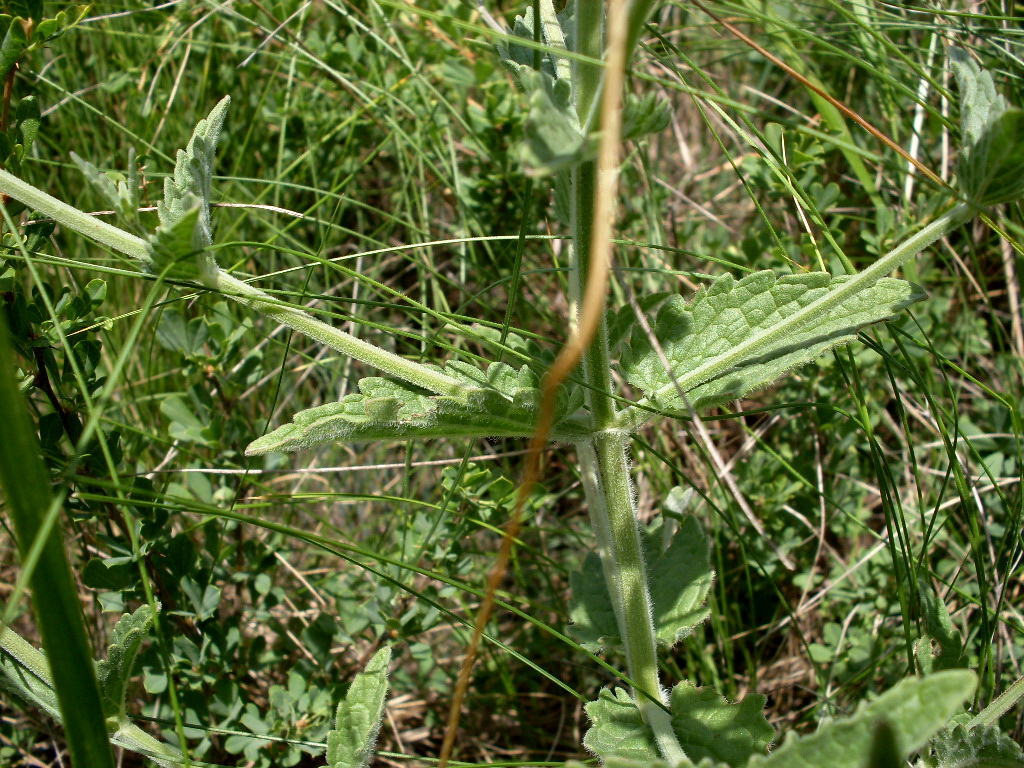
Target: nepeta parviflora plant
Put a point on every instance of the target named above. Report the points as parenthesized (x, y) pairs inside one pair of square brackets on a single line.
[(641, 591)]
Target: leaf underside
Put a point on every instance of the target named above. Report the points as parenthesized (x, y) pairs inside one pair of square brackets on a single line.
[(728, 312), (499, 402)]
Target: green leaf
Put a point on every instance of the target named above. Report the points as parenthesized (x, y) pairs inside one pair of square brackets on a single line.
[(978, 747), (120, 192), (706, 725), (695, 336), (643, 116), (553, 139), (937, 630), (29, 119), (502, 402), (991, 164), (359, 716), (192, 182), (29, 9), (680, 577), (521, 58), (14, 43), (914, 709), (115, 671), (178, 249)]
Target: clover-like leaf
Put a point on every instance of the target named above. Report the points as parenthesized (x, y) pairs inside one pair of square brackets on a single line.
[(706, 725), (978, 747), (680, 577), (697, 337), (500, 401), (914, 709), (114, 672), (991, 164), (351, 743)]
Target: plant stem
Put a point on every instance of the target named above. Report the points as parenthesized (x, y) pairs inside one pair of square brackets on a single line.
[(297, 319), (217, 279), (74, 219), (604, 460), (1002, 704)]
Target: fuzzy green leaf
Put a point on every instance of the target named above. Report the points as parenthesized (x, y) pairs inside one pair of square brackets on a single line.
[(938, 631), (914, 709), (178, 248), (680, 577), (25, 671), (991, 164), (694, 336), (358, 720), (553, 139), (114, 673), (978, 747), (122, 196), (501, 402), (193, 173), (520, 58), (706, 725)]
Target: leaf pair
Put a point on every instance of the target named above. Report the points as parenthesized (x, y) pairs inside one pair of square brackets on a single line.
[(556, 136), (714, 733)]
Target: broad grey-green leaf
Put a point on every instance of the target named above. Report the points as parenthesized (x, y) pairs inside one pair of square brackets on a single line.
[(501, 402), (358, 719), (696, 337), (990, 168), (707, 726), (680, 577), (978, 747), (114, 673), (915, 709)]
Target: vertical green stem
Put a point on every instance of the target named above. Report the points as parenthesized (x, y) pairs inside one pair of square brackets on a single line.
[(603, 459)]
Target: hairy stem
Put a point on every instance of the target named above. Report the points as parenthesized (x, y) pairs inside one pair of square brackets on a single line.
[(604, 460), (217, 279)]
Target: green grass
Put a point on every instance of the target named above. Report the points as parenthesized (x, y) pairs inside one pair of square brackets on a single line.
[(369, 169)]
